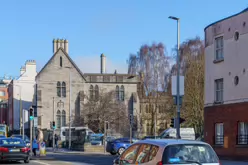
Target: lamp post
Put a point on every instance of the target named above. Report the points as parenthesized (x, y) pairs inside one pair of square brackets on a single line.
[(178, 72), (69, 106)]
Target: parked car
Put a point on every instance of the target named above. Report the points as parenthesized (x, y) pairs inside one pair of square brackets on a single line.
[(26, 139), (117, 146), (168, 151), (14, 149)]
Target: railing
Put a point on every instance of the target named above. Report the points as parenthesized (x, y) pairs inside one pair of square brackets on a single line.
[(219, 139), (242, 139)]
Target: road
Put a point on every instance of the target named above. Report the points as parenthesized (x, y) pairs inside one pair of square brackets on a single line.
[(88, 159)]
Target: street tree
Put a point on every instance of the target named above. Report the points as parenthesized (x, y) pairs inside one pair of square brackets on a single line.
[(153, 64), (192, 67), (104, 107)]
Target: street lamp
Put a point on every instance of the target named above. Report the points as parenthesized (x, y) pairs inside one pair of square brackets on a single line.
[(178, 72), (69, 106)]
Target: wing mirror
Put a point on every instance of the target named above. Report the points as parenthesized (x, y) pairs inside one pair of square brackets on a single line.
[(116, 161)]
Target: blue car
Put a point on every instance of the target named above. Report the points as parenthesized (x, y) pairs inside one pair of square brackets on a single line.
[(117, 146)]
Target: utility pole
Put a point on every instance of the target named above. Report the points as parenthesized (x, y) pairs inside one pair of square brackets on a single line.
[(20, 114), (53, 121), (178, 73), (131, 127), (105, 135), (23, 124)]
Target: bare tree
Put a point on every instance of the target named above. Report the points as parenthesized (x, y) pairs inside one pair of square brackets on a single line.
[(103, 108), (153, 63), (192, 67)]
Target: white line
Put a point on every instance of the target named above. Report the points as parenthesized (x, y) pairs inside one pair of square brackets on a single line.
[(40, 162)]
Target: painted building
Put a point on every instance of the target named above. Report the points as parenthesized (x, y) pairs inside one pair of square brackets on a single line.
[(53, 84), (226, 90), (21, 94), (3, 99)]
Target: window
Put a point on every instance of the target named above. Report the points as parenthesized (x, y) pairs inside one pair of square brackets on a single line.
[(96, 92), (58, 89), (219, 48), (117, 92), (242, 133), (181, 153), (148, 128), (63, 118), (219, 134), (147, 109), (122, 93), (219, 90), (2, 93), (143, 154), (60, 61), (58, 119), (63, 89), (129, 155), (91, 92)]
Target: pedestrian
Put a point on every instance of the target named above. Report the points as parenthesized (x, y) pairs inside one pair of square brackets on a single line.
[(56, 138), (35, 146)]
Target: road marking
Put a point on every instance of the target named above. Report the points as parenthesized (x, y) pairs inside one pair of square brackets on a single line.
[(40, 162)]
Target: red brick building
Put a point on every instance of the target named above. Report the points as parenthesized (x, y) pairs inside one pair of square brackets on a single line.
[(226, 85), (3, 101)]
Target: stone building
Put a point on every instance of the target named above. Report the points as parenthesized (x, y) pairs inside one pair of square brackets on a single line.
[(53, 87)]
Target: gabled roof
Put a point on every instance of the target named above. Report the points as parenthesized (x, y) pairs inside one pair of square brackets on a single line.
[(72, 62), (243, 11)]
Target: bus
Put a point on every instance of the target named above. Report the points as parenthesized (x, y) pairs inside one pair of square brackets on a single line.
[(3, 130)]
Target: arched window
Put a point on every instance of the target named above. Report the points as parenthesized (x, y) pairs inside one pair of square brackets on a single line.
[(96, 92), (63, 89), (147, 128), (63, 118), (150, 108), (91, 92), (58, 116), (60, 61), (147, 109), (122, 93), (58, 89), (117, 93)]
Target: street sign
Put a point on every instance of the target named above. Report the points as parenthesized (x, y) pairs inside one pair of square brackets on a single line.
[(35, 122), (174, 85), (131, 119)]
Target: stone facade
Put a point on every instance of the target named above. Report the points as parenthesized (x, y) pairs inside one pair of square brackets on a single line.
[(60, 68)]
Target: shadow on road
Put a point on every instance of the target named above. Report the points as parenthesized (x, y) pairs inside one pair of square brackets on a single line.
[(91, 159)]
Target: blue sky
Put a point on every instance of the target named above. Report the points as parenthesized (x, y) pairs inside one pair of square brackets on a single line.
[(115, 28)]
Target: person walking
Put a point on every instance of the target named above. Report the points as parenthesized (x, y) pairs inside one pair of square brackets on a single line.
[(35, 146), (56, 138)]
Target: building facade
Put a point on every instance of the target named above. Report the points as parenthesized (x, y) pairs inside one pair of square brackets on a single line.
[(226, 79), (21, 95), (3, 99), (55, 93)]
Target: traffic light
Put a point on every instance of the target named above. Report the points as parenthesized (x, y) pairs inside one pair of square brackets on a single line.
[(31, 113), (182, 120), (131, 119), (172, 122), (54, 126)]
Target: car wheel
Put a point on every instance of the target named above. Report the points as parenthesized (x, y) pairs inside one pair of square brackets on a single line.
[(26, 160), (120, 150), (112, 153)]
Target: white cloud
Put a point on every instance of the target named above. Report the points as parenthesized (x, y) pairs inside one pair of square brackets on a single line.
[(91, 64)]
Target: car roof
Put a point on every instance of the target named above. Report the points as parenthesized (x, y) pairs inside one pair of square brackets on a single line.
[(165, 142)]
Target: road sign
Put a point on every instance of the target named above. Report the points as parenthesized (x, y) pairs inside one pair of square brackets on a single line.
[(35, 122), (131, 119)]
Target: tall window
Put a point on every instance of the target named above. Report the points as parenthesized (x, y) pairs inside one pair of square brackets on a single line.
[(91, 92), (60, 61), (219, 133), (219, 48), (147, 108), (58, 89), (243, 133), (63, 89), (219, 90), (122, 93), (58, 119), (117, 93), (96, 92), (63, 118)]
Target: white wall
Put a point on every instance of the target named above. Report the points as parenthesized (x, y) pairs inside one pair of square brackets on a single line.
[(235, 61), (24, 87)]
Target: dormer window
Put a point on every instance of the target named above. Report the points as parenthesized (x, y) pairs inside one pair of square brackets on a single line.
[(60, 61)]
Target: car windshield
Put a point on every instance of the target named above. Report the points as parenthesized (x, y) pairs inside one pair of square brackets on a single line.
[(11, 141), (189, 153)]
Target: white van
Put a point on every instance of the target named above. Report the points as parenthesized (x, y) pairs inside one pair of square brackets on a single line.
[(185, 133)]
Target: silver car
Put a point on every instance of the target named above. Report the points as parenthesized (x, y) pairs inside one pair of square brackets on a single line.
[(168, 152)]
